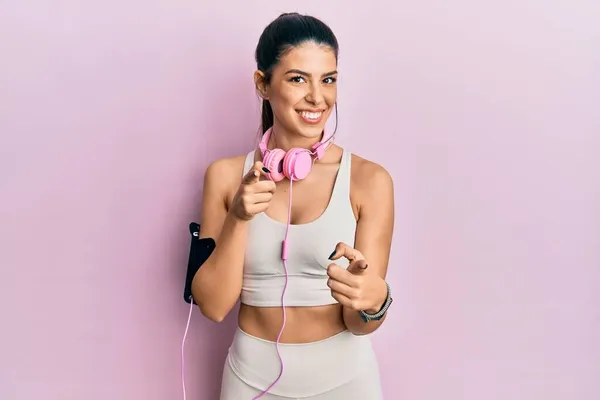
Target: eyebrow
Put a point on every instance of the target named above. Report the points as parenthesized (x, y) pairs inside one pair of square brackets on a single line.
[(299, 72)]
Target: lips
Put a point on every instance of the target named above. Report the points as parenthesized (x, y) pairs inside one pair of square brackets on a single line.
[(311, 117)]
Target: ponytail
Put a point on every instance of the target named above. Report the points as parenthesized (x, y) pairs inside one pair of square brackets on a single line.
[(266, 116)]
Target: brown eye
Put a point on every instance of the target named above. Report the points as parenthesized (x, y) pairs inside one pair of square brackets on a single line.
[(297, 79)]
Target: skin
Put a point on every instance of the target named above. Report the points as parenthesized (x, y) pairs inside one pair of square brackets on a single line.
[(228, 206)]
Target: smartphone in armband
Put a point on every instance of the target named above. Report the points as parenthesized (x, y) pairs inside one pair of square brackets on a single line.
[(200, 250)]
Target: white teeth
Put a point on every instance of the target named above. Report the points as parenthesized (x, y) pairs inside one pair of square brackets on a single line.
[(311, 115)]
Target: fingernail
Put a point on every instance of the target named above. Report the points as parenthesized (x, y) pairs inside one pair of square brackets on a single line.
[(331, 255), (365, 267), (266, 170)]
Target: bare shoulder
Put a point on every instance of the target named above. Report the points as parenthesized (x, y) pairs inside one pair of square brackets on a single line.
[(370, 177), (223, 176), (227, 168), (372, 195), (221, 180)]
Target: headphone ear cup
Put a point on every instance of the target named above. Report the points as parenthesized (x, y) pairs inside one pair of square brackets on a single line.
[(297, 164), (273, 160)]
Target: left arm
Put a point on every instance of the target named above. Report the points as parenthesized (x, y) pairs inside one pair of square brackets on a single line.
[(364, 288)]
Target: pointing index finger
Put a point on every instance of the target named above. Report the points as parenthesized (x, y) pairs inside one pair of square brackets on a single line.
[(343, 250), (253, 175)]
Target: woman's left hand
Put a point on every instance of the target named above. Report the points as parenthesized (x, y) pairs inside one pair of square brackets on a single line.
[(357, 287)]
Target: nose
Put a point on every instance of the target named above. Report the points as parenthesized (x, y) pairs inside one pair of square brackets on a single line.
[(315, 94)]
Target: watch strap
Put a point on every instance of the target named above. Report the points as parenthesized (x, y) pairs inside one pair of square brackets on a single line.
[(366, 317)]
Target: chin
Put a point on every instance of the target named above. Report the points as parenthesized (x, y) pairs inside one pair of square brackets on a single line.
[(312, 132)]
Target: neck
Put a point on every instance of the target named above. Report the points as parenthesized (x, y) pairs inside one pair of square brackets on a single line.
[(285, 140)]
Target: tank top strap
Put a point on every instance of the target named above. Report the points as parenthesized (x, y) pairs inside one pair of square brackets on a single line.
[(341, 190), (248, 163)]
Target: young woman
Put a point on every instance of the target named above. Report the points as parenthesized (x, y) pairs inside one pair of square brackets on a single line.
[(335, 216)]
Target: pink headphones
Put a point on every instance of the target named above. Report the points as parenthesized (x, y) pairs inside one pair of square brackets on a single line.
[(294, 164)]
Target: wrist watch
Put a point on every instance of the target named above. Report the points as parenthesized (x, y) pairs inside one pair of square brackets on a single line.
[(366, 317)]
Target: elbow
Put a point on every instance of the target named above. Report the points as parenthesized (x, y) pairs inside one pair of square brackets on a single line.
[(212, 314), (200, 298), (217, 319), (213, 306), (210, 310)]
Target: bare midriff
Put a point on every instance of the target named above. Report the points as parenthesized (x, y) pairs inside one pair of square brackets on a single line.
[(303, 324)]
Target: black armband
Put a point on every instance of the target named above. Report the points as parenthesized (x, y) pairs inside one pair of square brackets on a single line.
[(200, 250)]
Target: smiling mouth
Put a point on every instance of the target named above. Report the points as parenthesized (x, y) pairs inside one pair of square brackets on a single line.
[(311, 116)]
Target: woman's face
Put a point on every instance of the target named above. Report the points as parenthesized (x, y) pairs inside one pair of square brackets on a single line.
[(303, 89)]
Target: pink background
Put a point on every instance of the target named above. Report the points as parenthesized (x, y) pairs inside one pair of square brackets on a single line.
[(485, 113)]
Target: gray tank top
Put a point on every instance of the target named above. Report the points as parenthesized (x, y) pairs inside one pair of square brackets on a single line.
[(309, 246)]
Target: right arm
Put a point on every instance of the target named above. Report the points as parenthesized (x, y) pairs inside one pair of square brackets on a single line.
[(218, 283)]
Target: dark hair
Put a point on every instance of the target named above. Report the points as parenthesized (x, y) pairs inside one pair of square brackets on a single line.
[(285, 32)]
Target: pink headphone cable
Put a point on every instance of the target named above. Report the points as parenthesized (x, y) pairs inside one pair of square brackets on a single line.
[(284, 258), (284, 248), (182, 348)]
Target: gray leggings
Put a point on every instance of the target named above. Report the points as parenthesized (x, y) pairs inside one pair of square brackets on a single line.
[(343, 367)]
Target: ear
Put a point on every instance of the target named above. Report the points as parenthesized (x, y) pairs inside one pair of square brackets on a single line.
[(261, 84)]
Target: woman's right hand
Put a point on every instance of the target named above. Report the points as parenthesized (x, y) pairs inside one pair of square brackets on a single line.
[(254, 195)]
